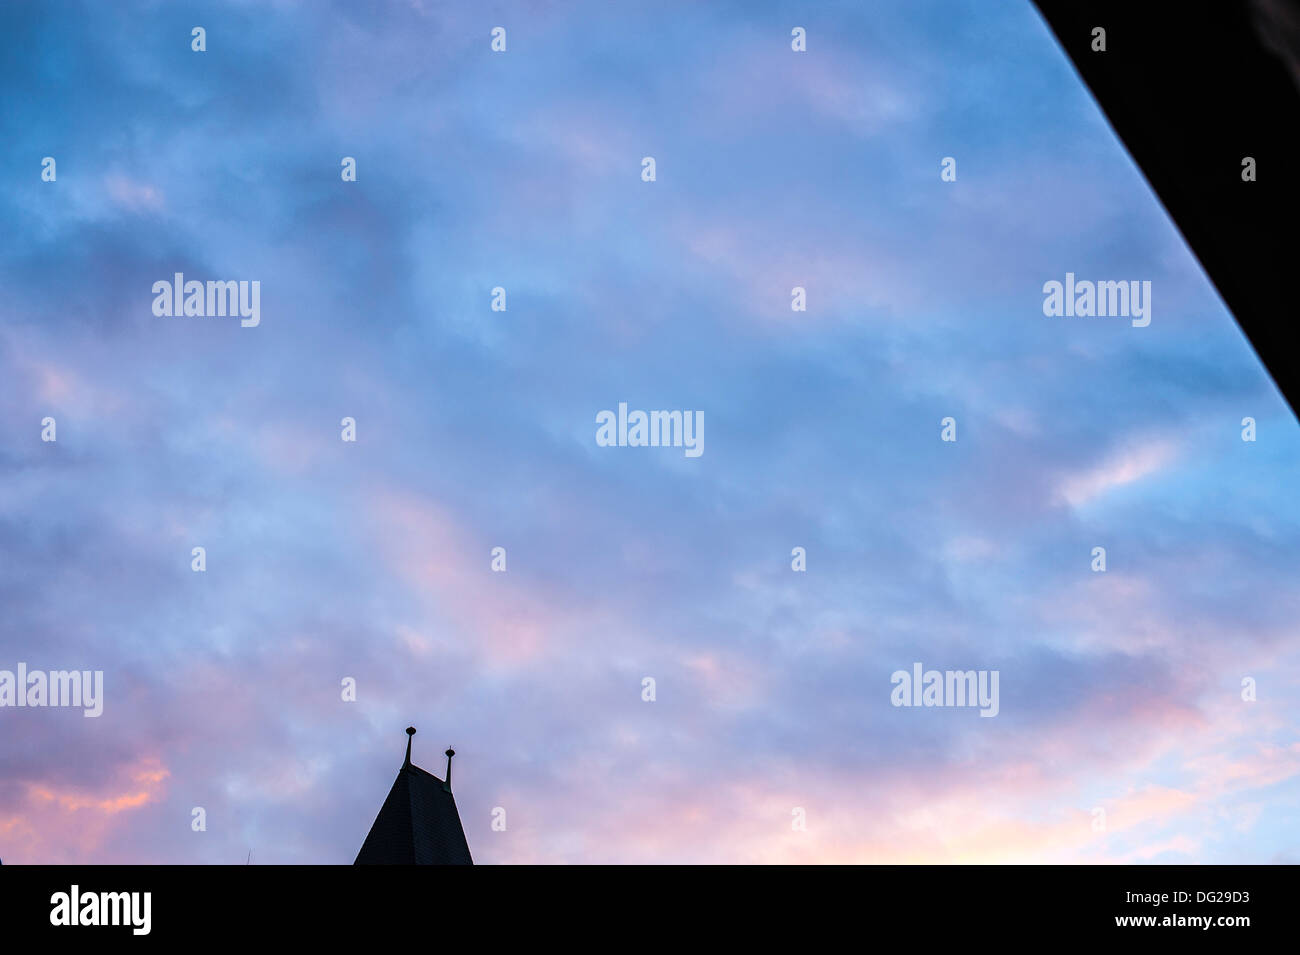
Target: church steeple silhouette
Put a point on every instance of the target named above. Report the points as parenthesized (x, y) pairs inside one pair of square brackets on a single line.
[(418, 823)]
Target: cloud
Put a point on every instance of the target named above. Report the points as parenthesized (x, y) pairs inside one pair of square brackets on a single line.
[(1133, 463), (132, 195), (370, 560)]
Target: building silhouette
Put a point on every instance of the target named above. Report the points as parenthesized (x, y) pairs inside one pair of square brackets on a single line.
[(418, 823)]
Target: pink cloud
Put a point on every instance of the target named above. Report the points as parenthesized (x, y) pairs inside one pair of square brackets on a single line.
[(63, 824), (506, 619), (1138, 460), (132, 194)]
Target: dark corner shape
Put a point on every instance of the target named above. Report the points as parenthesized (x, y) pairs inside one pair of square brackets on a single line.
[(1193, 88)]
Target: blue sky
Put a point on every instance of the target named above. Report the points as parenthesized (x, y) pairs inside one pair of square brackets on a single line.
[(476, 429)]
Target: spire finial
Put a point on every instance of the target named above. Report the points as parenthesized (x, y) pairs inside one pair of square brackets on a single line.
[(446, 784), (410, 731)]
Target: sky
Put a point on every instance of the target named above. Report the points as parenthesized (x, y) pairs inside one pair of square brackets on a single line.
[(1122, 734)]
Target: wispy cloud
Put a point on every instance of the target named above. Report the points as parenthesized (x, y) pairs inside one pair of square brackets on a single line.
[(371, 560)]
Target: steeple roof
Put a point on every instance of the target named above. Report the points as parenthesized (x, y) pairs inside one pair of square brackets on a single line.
[(418, 823)]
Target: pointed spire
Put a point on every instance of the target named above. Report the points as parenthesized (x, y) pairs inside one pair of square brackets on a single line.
[(446, 783), (418, 823)]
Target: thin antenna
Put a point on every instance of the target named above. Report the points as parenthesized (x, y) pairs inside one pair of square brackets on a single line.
[(249, 860), (410, 731), (446, 784)]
